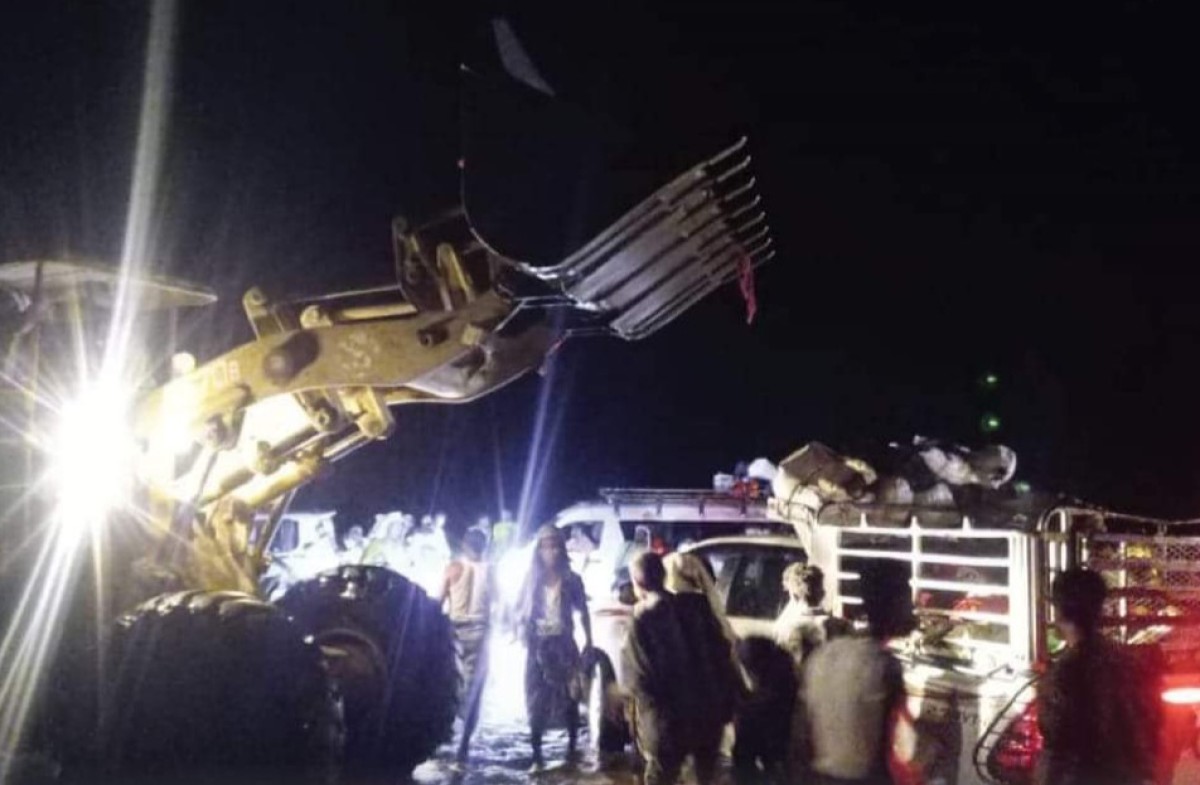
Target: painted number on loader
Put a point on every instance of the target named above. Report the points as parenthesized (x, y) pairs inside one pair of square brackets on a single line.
[(357, 353), (221, 375)]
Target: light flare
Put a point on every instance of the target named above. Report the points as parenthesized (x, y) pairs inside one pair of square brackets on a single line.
[(548, 416), (92, 457), (31, 636), (147, 167), (511, 571), (33, 629)]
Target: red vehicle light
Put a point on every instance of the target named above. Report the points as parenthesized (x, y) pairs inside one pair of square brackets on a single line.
[(1015, 755), (1182, 696)]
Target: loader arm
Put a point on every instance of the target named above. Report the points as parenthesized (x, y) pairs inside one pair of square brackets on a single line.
[(318, 381)]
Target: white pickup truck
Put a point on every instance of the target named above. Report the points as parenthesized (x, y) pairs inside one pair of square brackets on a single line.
[(981, 592)]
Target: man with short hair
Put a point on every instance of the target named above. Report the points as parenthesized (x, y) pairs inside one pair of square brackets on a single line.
[(804, 624), (680, 672), (854, 687), (1099, 710)]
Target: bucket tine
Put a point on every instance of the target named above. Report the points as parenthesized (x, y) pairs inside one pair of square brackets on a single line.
[(669, 251)]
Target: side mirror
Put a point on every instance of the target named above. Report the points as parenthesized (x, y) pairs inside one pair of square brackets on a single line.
[(625, 594)]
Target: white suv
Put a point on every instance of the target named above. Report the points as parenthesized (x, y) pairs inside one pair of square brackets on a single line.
[(602, 534), (748, 571)]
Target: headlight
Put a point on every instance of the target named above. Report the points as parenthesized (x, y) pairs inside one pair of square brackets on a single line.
[(92, 455)]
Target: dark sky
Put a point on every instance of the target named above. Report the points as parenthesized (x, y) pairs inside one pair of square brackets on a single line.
[(952, 190)]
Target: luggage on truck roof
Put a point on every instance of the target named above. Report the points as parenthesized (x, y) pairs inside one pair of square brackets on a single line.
[(1016, 513), (1021, 513), (934, 485)]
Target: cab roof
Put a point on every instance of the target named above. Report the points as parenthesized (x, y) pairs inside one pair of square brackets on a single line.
[(755, 540)]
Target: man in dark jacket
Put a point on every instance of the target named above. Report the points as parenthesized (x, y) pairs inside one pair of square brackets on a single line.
[(680, 672), (854, 686), (1099, 709)]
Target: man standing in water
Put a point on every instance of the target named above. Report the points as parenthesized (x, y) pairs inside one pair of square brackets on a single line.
[(553, 596), (467, 592)]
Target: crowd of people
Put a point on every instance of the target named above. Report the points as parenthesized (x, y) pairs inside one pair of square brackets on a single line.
[(819, 702)]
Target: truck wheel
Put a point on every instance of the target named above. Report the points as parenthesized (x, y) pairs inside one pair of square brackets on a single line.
[(202, 686), (390, 651), (607, 732)]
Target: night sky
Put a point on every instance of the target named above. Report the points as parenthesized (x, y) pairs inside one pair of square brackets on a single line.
[(953, 191)]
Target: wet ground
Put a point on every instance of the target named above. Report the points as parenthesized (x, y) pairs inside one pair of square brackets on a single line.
[(500, 752), (502, 757)]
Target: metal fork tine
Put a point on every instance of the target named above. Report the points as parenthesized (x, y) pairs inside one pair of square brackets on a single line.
[(682, 283), (762, 246), (664, 271), (634, 326), (660, 199), (740, 190), (614, 241), (761, 233), (668, 197), (700, 196), (740, 166), (739, 212), (755, 263), (729, 151), (745, 226), (676, 246), (761, 218), (683, 241), (685, 300), (666, 315)]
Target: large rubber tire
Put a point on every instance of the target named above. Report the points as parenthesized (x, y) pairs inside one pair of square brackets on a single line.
[(607, 730), (391, 652), (203, 687)]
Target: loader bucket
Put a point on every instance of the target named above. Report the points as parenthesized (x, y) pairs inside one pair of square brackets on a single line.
[(684, 240)]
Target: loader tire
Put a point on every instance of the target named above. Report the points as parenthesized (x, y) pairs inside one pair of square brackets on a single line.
[(391, 653), (204, 687)]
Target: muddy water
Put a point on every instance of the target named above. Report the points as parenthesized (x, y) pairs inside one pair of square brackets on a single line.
[(502, 757), (500, 752)]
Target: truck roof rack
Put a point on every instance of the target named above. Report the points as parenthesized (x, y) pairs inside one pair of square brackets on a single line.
[(1029, 518), (1008, 516), (701, 497)]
